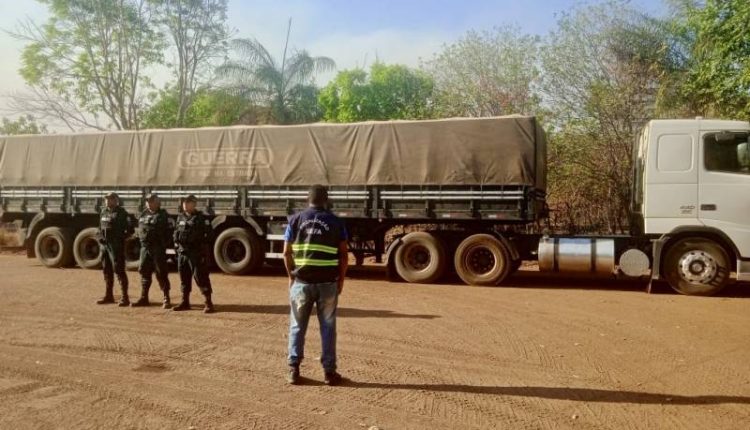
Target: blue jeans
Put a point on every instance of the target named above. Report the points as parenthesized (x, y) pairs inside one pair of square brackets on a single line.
[(302, 297)]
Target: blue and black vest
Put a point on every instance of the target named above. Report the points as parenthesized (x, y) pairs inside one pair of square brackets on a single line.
[(315, 235)]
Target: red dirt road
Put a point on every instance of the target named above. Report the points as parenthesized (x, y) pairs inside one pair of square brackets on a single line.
[(538, 354)]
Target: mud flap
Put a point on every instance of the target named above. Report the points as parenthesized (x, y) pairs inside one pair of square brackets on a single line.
[(743, 270), (657, 247), (654, 282)]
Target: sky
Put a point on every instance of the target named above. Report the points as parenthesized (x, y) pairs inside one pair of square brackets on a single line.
[(352, 32)]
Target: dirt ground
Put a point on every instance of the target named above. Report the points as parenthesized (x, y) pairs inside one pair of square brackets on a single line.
[(538, 354)]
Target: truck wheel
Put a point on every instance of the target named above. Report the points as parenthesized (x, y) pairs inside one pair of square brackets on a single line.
[(420, 258), (54, 247), (238, 251), (86, 249), (482, 259), (697, 267), (132, 253)]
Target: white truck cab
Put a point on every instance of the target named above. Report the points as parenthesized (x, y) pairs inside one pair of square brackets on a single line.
[(692, 191)]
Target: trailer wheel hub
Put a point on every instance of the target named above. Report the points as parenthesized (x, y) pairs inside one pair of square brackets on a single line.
[(698, 267), (90, 248), (481, 260), (234, 251), (418, 257), (50, 247)]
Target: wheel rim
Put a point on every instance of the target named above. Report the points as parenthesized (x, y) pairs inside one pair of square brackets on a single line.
[(234, 251), (417, 257), (480, 260), (50, 247), (89, 249), (698, 267)]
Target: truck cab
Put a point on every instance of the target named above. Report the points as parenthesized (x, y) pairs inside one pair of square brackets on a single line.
[(692, 196)]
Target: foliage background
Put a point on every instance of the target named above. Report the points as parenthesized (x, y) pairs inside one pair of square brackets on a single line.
[(594, 80)]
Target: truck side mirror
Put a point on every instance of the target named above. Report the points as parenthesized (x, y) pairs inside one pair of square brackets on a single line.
[(743, 155)]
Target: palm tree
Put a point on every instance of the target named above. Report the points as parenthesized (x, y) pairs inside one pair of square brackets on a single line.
[(286, 89)]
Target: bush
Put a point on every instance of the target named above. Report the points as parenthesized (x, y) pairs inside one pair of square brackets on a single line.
[(9, 238)]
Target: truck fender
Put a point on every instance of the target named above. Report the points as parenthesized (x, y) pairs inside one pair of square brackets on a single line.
[(217, 221), (389, 264), (254, 224), (514, 254), (392, 247), (31, 232), (663, 242), (221, 219)]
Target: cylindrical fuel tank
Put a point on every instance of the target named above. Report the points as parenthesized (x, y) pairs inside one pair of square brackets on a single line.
[(577, 255)]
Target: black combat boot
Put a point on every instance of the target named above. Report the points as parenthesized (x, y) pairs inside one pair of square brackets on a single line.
[(209, 307), (106, 300), (143, 301), (108, 297), (124, 300), (184, 305)]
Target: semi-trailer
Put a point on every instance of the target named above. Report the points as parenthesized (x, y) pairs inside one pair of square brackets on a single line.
[(428, 197)]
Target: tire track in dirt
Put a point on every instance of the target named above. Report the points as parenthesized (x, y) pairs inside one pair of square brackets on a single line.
[(440, 357)]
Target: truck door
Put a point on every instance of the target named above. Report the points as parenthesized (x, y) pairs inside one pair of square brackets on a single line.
[(724, 186), (671, 193)]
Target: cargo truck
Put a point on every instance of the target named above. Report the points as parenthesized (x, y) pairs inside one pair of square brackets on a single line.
[(428, 197)]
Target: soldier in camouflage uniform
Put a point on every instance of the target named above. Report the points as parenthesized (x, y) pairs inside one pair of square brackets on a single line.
[(191, 237), (153, 232), (114, 228)]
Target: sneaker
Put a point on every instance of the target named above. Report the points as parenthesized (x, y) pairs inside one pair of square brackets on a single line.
[(124, 302), (292, 376), (209, 308), (332, 378), (166, 303)]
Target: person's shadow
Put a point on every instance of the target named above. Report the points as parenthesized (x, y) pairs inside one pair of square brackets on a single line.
[(341, 312), (552, 393)]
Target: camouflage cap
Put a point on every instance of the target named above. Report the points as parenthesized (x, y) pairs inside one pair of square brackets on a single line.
[(111, 195), (191, 198)]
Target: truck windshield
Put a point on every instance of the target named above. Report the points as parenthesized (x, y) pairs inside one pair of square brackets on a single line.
[(727, 152)]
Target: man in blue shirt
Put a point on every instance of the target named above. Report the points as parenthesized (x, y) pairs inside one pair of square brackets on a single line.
[(316, 257)]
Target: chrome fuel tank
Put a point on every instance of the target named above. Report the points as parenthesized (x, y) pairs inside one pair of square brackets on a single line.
[(577, 255)]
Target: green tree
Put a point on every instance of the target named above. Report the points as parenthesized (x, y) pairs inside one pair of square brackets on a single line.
[(285, 87), (198, 33), (486, 74), (209, 107), (717, 79), (388, 92), (603, 69), (26, 124), (94, 53)]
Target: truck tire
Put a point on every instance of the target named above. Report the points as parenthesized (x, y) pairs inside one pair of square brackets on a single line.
[(86, 249), (483, 260), (54, 247), (696, 266), (238, 251), (132, 253), (420, 258)]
